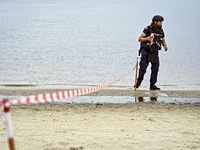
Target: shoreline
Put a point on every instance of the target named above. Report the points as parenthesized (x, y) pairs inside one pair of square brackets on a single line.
[(19, 91)]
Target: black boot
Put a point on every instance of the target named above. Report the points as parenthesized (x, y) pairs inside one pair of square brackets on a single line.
[(153, 87), (137, 85)]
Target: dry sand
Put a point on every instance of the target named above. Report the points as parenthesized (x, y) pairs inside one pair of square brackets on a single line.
[(104, 127)]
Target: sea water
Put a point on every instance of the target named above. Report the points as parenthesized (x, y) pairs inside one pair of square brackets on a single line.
[(72, 43)]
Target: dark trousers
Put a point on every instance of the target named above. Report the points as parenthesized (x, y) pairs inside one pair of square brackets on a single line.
[(143, 66)]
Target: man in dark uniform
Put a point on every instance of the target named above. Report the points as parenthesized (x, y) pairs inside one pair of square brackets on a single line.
[(149, 50)]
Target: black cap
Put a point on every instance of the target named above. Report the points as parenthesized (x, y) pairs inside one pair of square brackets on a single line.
[(157, 18)]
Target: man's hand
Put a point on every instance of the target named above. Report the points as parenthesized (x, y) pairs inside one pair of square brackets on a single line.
[(164, 44), (149, 38), (165, 47)]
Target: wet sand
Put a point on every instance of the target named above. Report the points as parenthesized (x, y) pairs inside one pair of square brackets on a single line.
[(108, 126), (105, 92)]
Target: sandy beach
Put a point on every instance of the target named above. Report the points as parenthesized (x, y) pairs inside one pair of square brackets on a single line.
[(104, 126)]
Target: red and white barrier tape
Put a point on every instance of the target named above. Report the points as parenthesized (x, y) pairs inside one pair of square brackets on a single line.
[(50, 97), (152, 37)]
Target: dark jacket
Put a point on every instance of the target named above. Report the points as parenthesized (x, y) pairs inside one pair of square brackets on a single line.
[(157, 42)]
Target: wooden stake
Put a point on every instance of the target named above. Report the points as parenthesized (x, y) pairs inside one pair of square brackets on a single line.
[(136, 74)]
